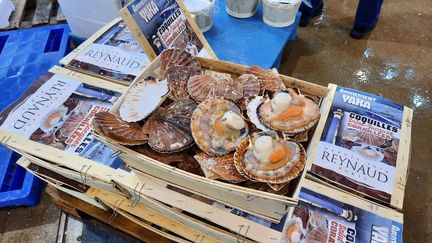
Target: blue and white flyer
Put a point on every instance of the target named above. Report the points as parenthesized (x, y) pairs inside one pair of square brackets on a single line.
[(328, 215), (115, 54), (359, 146), (58, 111), (164, 25)]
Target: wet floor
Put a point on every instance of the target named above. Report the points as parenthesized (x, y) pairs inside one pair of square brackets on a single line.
[(395, 61)]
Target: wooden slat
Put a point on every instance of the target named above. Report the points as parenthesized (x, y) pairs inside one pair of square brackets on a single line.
[(42, 12), (17, 15), (120, 222)]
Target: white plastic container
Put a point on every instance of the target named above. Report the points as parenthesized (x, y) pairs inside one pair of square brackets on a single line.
[(6, 9), (202, 11), (241, 8), (280, 13), (85, 17)]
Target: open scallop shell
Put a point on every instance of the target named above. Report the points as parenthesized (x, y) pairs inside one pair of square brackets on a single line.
[(269, 79), (220, 167), (293, 231), (143, 98), (69, 126), (203, 131), (213, 84), (252, 105), (280, 172), (305, 120), (113, 127), (169, 127), (365, 137), (177, 57), (177, 77)]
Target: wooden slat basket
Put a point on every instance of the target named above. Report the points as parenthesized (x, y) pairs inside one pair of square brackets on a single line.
[(263, 204)]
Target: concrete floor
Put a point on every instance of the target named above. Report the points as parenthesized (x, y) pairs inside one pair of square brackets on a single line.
[(395, 61)]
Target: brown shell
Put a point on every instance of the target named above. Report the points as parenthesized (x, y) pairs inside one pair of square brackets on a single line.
[(246, 162), (69, 126), (277, 187), (113, 127), (203, 131), (269, 79), (302, 213), (177, 77), (317, 235), (221, 166), (365, 137), (296, 124), (70, 104), (213, 84), (177, 57), (42, 137), (390, 155), (169, 127), (251, 88)]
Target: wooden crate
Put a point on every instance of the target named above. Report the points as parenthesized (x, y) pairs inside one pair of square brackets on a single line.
[(31, 13), (81, 209), (150, 200), (402, 164), (225, 226), (266, 205)]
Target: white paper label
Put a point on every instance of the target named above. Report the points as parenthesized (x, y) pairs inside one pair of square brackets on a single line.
[(373, 174), (114, 59), (30, 114)]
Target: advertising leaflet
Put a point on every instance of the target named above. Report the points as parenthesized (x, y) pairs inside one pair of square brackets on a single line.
[(359, 146), (58, 111), (161, 24), (115, 54)]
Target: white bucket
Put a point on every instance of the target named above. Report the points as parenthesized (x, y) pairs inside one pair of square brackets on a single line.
[(241, 8), (202, 11), (280, 13)]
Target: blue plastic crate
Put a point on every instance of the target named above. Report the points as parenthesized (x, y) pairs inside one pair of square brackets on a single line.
[(24, 56)]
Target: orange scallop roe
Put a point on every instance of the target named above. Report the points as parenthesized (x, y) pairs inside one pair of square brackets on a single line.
[(291, 112), (219, 127), (291, 230), (278, 155)]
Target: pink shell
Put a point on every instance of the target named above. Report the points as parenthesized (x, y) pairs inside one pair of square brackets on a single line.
[(213, 84), (269, 79), (177, 57)]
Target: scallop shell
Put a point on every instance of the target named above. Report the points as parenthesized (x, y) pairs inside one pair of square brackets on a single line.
[(213, 84), (143, 98), (302, 213), (304, 121), (269, 79), (365, 137), (390, 155), (113, 127), (69, 126), (252, 105), (177, 77), (317, 235), (203, 130), (288, 167), (177, 57), (70, 104), (42, 137), (251, 84), (220, 167), (293, 231), (169, 128)]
